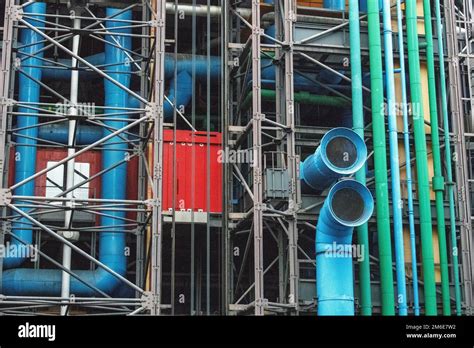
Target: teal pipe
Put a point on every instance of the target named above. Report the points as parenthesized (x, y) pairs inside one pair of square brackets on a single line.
[(394, 162), (406, 141), (358, 127), (348, 204), (421, 160), (438, 179), (447, 154), (380, 159)]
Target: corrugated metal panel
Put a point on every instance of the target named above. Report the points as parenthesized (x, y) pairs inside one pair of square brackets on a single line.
[(191, 191)]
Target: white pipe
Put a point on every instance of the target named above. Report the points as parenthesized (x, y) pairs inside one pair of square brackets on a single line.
[(66, 277), (202, 10)]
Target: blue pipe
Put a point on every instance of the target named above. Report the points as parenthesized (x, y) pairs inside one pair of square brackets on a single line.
[(406, 142), (341, 152), (349, 204), (183, 63), (180, 96), (25, 164), (394, 162), (85, 135), (336, 5), (111, 243), (56, 72)]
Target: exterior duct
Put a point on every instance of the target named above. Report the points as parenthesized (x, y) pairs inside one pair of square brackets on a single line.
[(349, 204), (340, 153), (336, 5), (111, 244), (180, 93), (29, 91)]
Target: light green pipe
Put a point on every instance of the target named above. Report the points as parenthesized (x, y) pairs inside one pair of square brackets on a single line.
[(447, 154), (438, 179), (380, 159), (358, 127), (421, 160), (302, 98)]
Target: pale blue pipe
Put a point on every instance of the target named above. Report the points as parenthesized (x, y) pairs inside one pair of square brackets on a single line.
[(336, 5), (112, 242), (29, 91), (341, 152), (406, 141), (394, 162), (349, 204)]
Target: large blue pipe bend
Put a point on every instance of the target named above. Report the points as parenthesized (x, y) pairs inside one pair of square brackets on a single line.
[(349, 204), (341, 152), (25, 157), (112, 242)]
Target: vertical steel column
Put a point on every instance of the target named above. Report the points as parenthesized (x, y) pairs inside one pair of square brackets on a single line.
[(257, 159), (157, 112), (225, 112), (5, 80), (459, 157), (292, 162)]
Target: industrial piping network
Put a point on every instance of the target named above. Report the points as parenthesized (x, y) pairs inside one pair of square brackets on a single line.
[(318, 172), (22, 281)]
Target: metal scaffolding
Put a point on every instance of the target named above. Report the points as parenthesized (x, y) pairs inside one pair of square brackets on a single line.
[(259, 251), (56, 32), (460, 50)]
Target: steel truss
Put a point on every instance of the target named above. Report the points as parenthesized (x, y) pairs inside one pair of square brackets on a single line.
[(260, 224), (460, 51), (148, 62)]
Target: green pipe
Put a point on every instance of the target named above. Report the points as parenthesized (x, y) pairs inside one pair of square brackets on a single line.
[(302, 98), (447, 154), (438, 179), (358, 127), (421, 160), (380, 159)]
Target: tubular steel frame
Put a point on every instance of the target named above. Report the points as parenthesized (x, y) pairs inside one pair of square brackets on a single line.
[(266, 224), (149, 118)]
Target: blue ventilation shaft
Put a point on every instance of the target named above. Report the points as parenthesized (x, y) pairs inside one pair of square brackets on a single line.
[(349, 204), (25, 156), (111, 243), (340, 153)]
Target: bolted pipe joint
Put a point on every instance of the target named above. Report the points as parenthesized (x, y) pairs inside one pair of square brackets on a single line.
[(349, 204), (341, 152)]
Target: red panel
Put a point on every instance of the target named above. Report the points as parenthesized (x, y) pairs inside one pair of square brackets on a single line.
[(187, 184)]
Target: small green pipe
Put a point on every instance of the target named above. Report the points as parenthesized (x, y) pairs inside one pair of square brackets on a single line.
[(358, 127), (380, 159), (438, 179), (421, 160), (302, 98), (447, 154)]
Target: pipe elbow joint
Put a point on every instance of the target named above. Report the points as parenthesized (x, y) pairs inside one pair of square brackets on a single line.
[(341, 152)]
